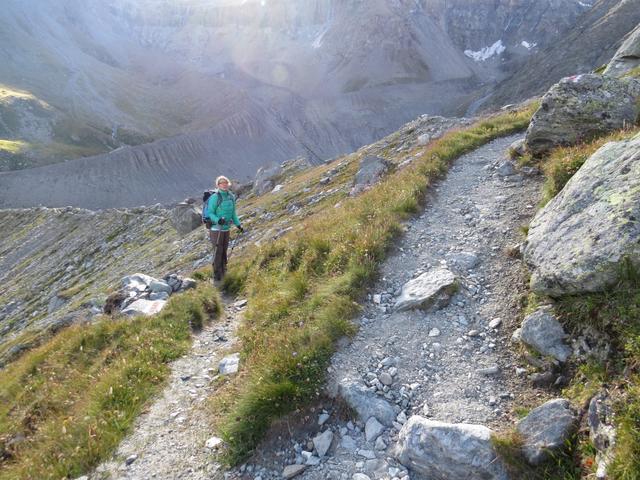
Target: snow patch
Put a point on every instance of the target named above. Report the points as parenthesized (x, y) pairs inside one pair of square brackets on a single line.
[(528, 45), (487, 52)]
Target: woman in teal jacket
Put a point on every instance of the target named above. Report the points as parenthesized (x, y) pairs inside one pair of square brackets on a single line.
[(221, 210)]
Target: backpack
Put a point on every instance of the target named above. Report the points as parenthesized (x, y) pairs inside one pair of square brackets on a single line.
[(206, 221)]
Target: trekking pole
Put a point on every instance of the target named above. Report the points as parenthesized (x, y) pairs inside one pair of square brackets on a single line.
[(233, 243)]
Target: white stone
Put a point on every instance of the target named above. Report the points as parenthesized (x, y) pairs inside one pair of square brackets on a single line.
[(213, 443), (229, 364), (431, 289), (144, 307)]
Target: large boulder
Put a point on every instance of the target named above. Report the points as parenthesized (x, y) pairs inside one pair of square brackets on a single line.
[(546, 429), (186, 217), (370, 171), (443, 451), (627, 57), (265, 178), (579, 241), (144, 307), (580, 108), (432, 289)]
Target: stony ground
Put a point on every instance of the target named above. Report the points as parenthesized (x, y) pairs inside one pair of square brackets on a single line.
[(169, 440), (455, 364)]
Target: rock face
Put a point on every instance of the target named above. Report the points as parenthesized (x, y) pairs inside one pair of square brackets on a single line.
[(186, 217), (579, 241), (542, 331), (431, 289), (546, 429), (627, 57), (443, 451), (582, 107), (370, 171)]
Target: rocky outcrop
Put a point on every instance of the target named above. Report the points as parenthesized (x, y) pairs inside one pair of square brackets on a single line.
[(542, 331), (627, 57), (370, 171), (581, 239), (580, 108), (144, 295), (443, 451), (432, 289), (186, 217), (546, 429), (265, 178)]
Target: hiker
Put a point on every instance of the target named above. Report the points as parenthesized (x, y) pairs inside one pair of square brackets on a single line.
[(220, 210)]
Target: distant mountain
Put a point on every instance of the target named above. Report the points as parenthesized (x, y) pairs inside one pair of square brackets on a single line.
[(150, 91), (604, 25)]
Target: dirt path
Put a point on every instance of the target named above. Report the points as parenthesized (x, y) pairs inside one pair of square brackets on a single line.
[(168, 440), (452, 365)]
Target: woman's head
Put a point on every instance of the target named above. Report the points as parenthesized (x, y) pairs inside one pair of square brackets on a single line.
[(223, 182)]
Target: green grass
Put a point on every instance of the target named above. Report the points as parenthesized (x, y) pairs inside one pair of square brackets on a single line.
[(72, 400), (303, 288), (562, 465), (562, 163)]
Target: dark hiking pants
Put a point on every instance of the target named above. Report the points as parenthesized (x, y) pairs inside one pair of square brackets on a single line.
[(220, 241)]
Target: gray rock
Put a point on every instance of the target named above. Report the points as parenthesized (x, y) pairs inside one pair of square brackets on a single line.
[(157, 286), (138, 282), (385, 378), (322, 442), (581, 107), (627, 57), (144, 307), (360, 476), (464, 260), (186, 217), (602, 431), (229, 364), (370, 171), (542, 331), (130, 459), (55, 303), (159, 296), (264, 179), (431, 289), (517, 148), (348, 443), (506, 168), (365, 404), (443, 451), (213, 443), (187, 284), (546, 429), (291, 471), (579, 241), (373, 429)]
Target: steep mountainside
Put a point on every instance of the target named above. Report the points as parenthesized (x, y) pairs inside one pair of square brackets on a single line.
[(605, 25), (236, 84)]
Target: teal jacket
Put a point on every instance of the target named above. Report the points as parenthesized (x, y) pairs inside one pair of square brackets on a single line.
[(222, 209)]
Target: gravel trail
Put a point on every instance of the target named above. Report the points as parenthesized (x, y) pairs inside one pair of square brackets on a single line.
[(168, 440), (455, 364)]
